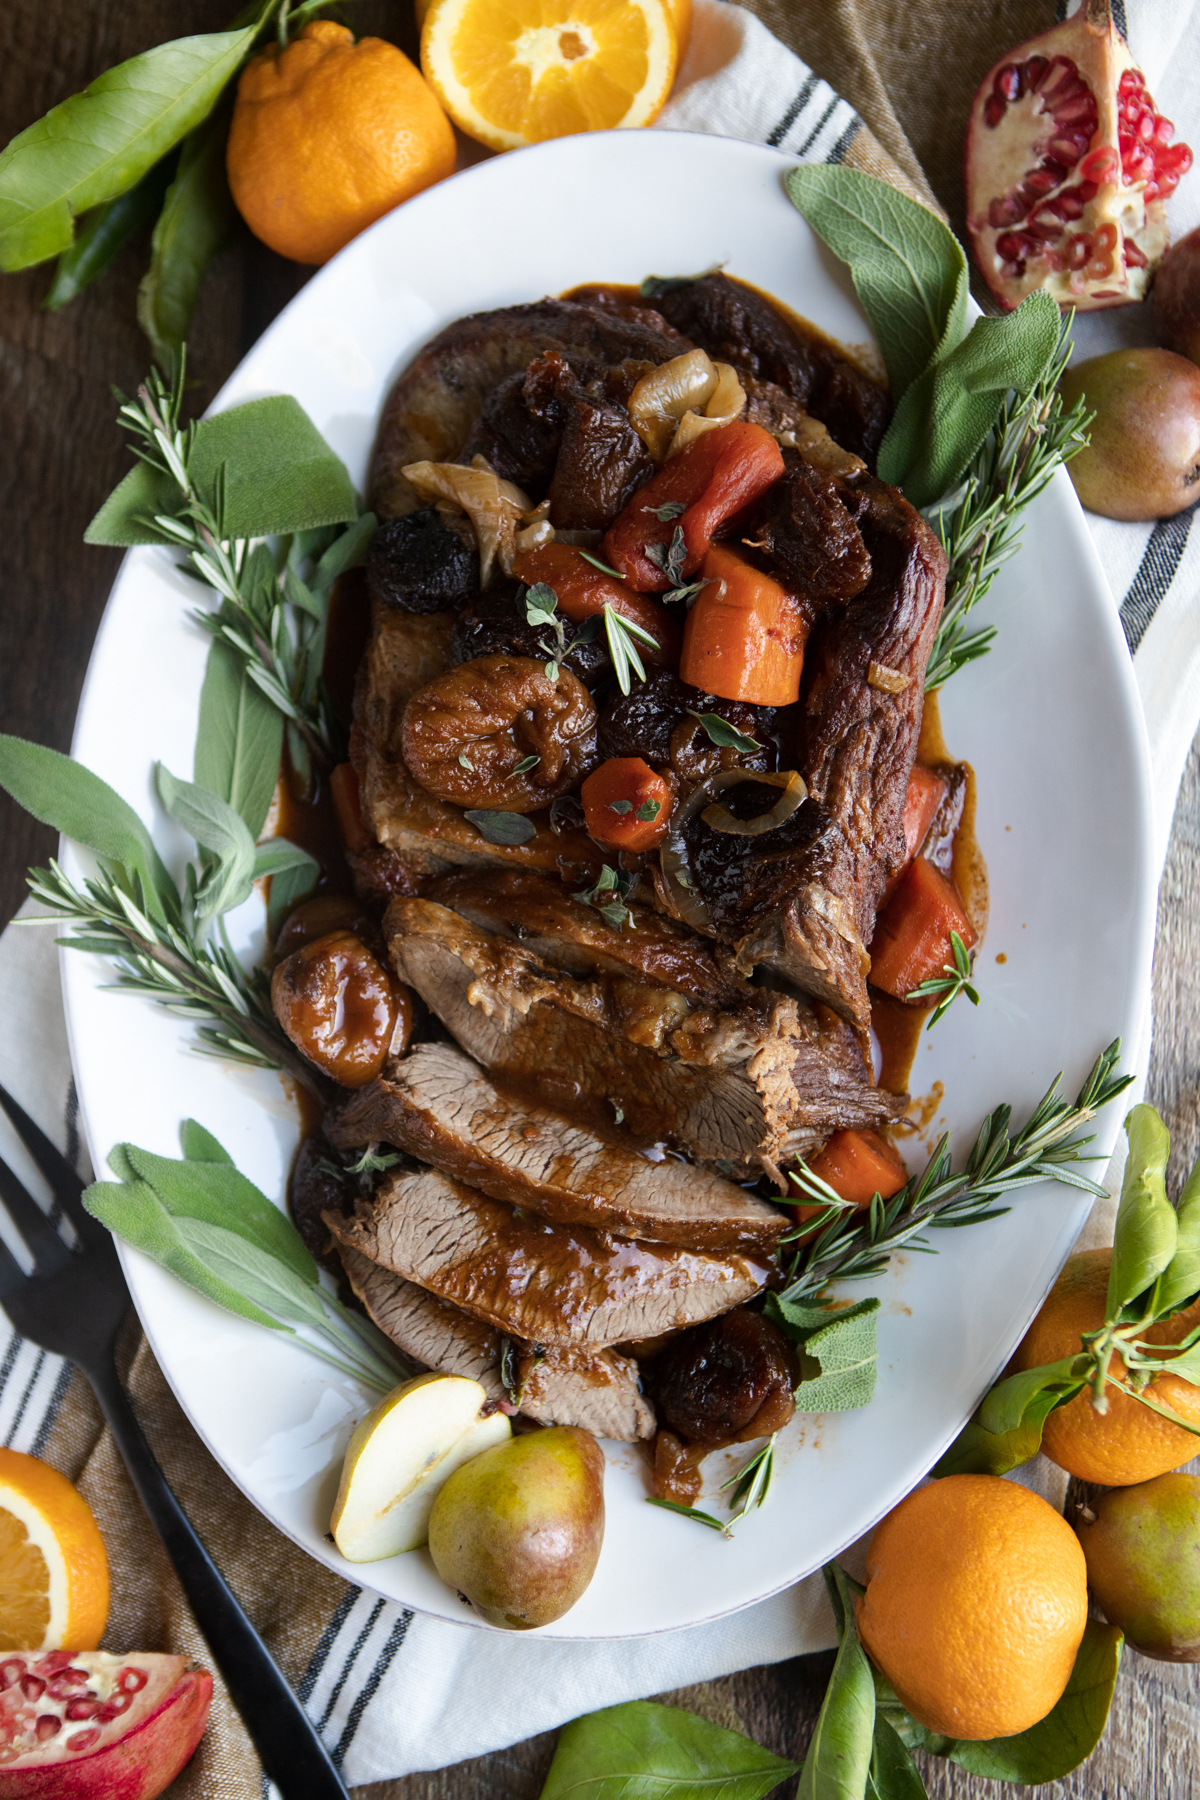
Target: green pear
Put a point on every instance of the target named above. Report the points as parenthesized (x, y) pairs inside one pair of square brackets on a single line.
[(1143, 1563), (518, 1530), (400, 1455)]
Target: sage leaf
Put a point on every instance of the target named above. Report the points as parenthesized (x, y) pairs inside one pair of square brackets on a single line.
[(894, 1775), (219, 1194), (259, 1278), (288, 888), (1146, 1232), (62, 793), (199, 1145), (977, 1451), (105, 232), (279, 857), (841, 1343), (218, 829), (908, 268), (943, 418), (239, 738), (99, 143), (1179, 1282), (502, 827), (280, 476), (1067, 1735), (196, 218), (133, 1211), (644, 1751), (719, 731), (347, 551), (838, 1763), (1005, 1408)]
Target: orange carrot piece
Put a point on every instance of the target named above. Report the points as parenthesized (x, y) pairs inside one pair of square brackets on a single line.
[(857, 1165), (744, 637), (713, 478), (912, 934), (625, 804), (926, 791), (347, 806), (583, 590)]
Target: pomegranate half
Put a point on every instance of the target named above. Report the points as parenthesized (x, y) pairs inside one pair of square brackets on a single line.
[(91, 1726), (1068, 165)]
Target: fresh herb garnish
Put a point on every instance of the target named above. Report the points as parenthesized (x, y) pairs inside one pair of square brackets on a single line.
[(749, 1484), (623, 637), (604, 568), (648, 811), (608, 896), (670, 509), (945, 988), (620, 806), (502, 827), (670, 557), (720, 732), (526, 763), (464, 761), (690, 591), (541, 609)]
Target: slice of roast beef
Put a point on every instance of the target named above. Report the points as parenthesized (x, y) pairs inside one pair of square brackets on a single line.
[(594, 1389), (435, 404), (807, 533), (794, 428), (542, 1283), (747, 1085), (441, 1107), (736, 325), (803, 898)]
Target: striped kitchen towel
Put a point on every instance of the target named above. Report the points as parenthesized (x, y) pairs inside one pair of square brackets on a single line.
[(392, 1691)]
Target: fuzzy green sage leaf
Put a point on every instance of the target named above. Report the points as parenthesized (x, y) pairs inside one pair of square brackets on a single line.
[(239, 738), (99, 143), (839, 1347), (645, 1751)]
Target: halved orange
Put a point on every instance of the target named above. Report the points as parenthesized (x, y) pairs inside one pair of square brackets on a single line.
[(53, 1565), (513, 72)]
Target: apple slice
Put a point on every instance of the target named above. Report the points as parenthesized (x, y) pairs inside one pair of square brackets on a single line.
[(400, 1455)]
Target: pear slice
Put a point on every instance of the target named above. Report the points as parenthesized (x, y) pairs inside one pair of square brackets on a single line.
[(400, 1455)]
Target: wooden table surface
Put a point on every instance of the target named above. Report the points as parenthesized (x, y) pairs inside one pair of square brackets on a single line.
[(60, 454)]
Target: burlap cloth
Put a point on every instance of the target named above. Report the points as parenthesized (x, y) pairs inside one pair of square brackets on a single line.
[(910, 69)]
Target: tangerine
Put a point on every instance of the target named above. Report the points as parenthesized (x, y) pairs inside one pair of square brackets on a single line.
[(975, 1605), (1128, 1443), (328, 135), (53, 1565)]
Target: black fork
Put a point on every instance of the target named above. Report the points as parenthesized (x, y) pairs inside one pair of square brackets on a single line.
[(73, 1304)]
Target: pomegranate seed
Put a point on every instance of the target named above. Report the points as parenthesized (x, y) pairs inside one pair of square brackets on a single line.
[(1046, 232), (32, 1687), (53, 1661), (1164, 131), (9, 1753), (83, 1740), (11, 1671), (1067, 150), (1005, 212), (132, 1681), (1080, 109), (1035, 68), (82, 1708), (1087, 191), (47, 1726), (1145, 127), (1014, 270), (1069, 204), (1099, 267), (1050, 212), (1040, 181), (1009, 82), (1106, 237), (119, 1703), (1177, 157), (65, 1683), (1133, 256), (1078, 250), (1153, 191), (1010, 246), (994, 110), (1101, 165)]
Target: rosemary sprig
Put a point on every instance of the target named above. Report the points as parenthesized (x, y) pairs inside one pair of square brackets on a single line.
[(1046, 1149), (159, 958), (624, 635), (946, 987), (1032, 438), (749, 1484)]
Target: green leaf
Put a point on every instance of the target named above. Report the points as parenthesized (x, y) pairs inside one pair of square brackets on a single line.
[(239, 738), (279, 857), (1146, 1231), (134, 1212), (644, 1751), (894, 1775), (1065, 1737), (62, 793), (1004, 1409), (1179, 1282), (842, 1343), (218, 829), (262, 1279), (218, 1194), (200, 1145), (977, 1451), (945, 415), (908, 268), (280, 477), (99, 143), (105, 232), (196, 218), (838, 1763), (288, 889), (502, 827), (347, 551), (721, 732)]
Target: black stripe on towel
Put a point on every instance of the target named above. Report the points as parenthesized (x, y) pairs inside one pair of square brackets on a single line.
[(38, 1366), (838, 153), (793, 113), (10, 1357), (325, 1643), (367, 1692), (1156, 571), (52, 1411), (819, 127), (350, 1661)]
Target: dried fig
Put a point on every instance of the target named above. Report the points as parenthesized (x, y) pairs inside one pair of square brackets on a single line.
[(341, 1008)]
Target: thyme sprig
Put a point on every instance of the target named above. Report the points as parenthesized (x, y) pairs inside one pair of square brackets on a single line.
[(945, 988), (1030, 441), (1047, 1148)]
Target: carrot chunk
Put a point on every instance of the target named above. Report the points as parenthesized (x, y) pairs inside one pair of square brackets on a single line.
[(583, 590), (857, 1165), (698, 491), (912, 934), (926, 791), (625, 804), (744, 637)]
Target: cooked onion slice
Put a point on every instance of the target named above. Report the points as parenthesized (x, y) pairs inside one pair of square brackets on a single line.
[(495, 508), (793, 796), (664, 395), (724, 404)]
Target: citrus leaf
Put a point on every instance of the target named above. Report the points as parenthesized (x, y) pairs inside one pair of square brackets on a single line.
[(1065, 1737), (908, 268), (838, 1762), (893, 1774), (99, 143), (105, 232), (1146, 1233), (1179, 1282), (239, 738), (977, 1451), (1004, 1409), (196, 218), (644, 1751)]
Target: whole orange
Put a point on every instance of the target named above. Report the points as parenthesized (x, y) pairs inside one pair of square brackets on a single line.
[(1128, 1443), (975, 1605), (327, 136)]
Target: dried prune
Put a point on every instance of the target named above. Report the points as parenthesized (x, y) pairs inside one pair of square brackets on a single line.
[(715, 1381)]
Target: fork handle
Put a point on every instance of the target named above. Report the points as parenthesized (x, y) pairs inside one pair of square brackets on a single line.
[(292, 1754)]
